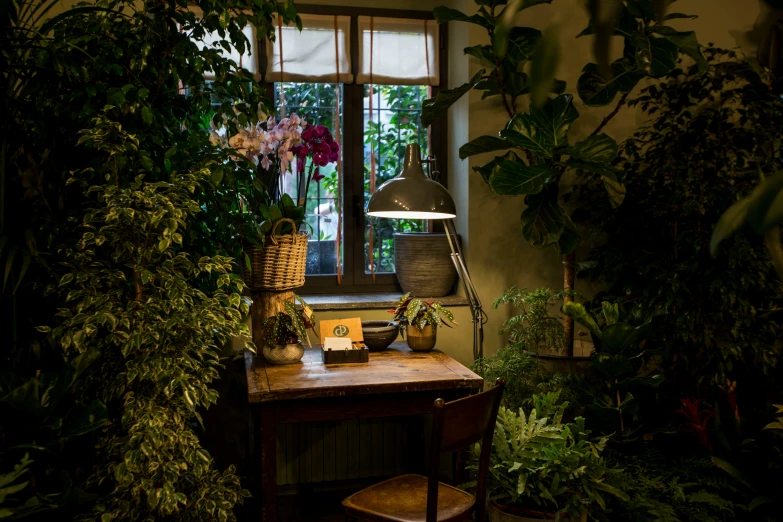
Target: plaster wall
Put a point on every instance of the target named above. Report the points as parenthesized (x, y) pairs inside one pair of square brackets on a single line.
[(497, 255)]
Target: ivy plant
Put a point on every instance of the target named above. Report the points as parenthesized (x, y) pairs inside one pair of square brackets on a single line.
[(111, 90), (131, 293)]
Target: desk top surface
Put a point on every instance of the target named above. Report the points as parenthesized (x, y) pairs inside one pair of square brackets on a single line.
[(397, 369)]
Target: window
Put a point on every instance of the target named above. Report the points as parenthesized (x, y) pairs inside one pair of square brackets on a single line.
[(374, 132)]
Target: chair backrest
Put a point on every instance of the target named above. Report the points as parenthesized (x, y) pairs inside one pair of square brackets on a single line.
[(457, 425)]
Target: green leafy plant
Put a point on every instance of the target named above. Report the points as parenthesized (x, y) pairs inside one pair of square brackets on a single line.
[(132, 294), (288, 327), (688, 489), (534, 327), (622, 361), (524, 376), (132, 75), (683, 169), (412, 311), (761, 212), (540, 154), (777, 424), (542, 464)]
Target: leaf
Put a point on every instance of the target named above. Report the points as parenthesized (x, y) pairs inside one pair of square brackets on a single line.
[(686, 42), (503, 23), (596, 91), (611, 490), (766, 209), (544, 64), (542, 220), (734, 472), (522, 132), (615, 190), (601, 169), (554, 118), (445, 14), (759, 501), (512, 178), (146, 115), (487, 169), (597, 149), (434, 107), (481, 145), (663, 55), (522, 43), (616, 337), (729, 223), (612, 366), (673, 16), (762, 210), (580, 314)]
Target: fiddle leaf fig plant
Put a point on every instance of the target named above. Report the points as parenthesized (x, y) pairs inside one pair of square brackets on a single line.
[(521, 61)]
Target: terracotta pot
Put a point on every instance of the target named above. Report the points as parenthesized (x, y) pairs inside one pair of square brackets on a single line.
[(284, 353), (378, 335), (423, 264), (500, 513), (421, 340)]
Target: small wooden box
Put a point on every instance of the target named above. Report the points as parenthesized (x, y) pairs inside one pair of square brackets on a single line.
[(350, 328), (357, 355)]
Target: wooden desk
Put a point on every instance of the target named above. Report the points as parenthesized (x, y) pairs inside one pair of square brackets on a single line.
[(396, 382)]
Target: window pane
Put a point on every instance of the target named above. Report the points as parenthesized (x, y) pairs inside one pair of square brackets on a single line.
[(394, 123), (315, 104)]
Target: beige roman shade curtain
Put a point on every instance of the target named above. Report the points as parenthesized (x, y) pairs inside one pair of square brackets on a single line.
[(398, 51), (320, 53), (248, 59)]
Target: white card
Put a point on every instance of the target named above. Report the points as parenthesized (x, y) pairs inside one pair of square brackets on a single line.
[(337, 343)]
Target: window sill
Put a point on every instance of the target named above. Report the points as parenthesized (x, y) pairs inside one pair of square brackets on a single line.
[(370, 301)]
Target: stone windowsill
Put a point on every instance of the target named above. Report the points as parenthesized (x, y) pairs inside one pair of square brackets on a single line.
[(373, 301)]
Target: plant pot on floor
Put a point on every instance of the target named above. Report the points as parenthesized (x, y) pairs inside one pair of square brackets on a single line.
[(500, 513), (421, 340), (423, 264), (284, 353)]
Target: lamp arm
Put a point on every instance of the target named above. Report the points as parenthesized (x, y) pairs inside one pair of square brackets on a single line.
[(478, 315)]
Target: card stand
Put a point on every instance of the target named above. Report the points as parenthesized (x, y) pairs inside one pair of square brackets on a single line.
[(359, 354)]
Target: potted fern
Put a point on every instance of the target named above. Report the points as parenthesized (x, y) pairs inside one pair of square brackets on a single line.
[(543, 469), (283, 333), (420, 321)]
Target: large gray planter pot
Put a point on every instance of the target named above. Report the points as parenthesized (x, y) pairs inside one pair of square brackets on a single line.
[(423, 264)]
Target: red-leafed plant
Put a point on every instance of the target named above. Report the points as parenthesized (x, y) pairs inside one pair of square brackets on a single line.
[(698, 420)]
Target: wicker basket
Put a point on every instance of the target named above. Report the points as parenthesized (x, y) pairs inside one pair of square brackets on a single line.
[(281, 264)]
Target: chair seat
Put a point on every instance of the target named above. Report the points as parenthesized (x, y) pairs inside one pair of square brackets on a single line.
[(404, 499)]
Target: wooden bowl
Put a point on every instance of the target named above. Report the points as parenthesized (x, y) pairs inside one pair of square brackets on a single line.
[(378, 335)]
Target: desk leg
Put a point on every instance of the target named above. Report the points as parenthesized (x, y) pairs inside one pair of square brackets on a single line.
[(268, 464)]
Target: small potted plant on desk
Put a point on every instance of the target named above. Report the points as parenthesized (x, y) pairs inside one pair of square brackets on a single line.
[(420, 320), (283, 334), (543, 469)]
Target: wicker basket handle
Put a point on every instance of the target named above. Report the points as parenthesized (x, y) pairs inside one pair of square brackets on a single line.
[(274, 229)]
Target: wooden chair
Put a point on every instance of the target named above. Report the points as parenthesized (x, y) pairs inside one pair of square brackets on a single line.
[(415, 498)]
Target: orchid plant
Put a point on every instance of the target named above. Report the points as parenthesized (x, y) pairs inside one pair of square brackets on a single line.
[(279, 149)]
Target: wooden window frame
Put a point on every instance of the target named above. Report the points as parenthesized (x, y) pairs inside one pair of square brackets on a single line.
[(355, 280)]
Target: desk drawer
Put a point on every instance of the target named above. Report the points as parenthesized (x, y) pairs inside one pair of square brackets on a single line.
[(358, 448)]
